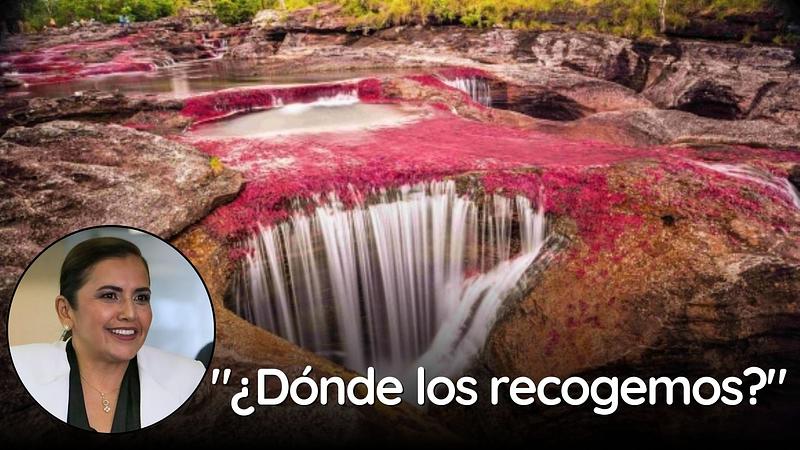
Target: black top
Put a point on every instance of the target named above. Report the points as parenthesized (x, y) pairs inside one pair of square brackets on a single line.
[(126, 414)]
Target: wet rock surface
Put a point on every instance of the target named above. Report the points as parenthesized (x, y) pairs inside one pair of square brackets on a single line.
[(723, 81), (594, 55)]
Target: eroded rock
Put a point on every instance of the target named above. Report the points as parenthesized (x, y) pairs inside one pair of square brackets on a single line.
[(644, 127), (595, 55), (704, 294), (81, 105), (777, 101), (725, 81), (62, 176)]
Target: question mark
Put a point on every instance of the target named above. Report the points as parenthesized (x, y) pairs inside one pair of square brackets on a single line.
[(762, 376)]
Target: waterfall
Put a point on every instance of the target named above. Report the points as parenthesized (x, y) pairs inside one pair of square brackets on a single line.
[(216, 47), (476, 87), (414, 271), (462, 335), (340, 99), (743, 172), (165, 62)]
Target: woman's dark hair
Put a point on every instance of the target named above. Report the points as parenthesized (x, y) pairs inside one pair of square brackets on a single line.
[(83, 257)]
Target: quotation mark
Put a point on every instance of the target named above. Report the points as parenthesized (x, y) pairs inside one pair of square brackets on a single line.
[(226, 375)]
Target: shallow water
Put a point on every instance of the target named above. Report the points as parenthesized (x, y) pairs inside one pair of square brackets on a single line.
[(190, 78), (333, 114)]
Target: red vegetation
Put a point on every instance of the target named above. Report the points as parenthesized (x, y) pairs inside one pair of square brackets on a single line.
[(61, 63), (576, 192), (214, 106), (131, 53), (278, 170), (430, 81), (515, 161), (717, 195)]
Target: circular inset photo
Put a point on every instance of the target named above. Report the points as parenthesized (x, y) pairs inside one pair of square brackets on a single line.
[(111, 329)]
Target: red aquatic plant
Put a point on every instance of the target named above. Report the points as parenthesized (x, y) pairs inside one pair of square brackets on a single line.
[(203, 108), (61, 62), (284, 169)]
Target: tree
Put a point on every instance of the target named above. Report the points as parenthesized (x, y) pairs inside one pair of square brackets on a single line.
[(662, 16)]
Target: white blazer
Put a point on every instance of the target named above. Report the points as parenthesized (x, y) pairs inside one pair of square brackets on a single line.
[(166, 380)]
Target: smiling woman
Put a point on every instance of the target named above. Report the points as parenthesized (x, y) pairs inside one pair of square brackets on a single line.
[(100, 375)]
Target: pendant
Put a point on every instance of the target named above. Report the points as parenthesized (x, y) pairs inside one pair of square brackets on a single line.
[(106, 404)]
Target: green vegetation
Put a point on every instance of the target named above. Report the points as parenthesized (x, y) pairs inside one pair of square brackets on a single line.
[(238, 11), (216, 166), (623, 17), (789, 39), (38, 13)]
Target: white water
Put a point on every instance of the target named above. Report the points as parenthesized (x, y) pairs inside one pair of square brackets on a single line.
[(217, 48), (166, 62), (780, 185), (477, 88), (417, 276), (340, 99), (461, 336)]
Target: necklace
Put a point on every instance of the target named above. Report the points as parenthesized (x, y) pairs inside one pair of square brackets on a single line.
[(106, 404)]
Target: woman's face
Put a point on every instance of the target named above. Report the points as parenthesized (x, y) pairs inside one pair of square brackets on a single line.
[(113, 312)]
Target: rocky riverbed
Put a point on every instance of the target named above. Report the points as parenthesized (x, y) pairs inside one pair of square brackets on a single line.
[(668, 168)]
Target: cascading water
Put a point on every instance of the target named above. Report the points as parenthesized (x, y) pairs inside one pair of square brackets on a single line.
[(164, 62), (216, 47), (340, 99), (416, 272), (477, 88), (339, 112), (779, 185)]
